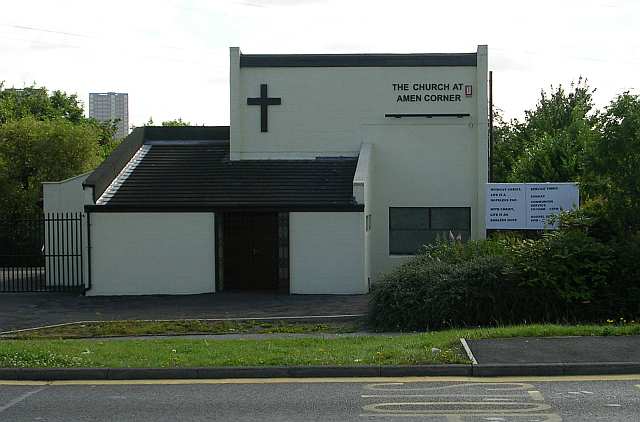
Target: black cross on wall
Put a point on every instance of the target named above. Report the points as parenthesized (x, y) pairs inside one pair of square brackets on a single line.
[(263, 101)]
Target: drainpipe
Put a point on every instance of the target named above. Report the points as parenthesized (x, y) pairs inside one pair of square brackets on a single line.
[(86, 289)]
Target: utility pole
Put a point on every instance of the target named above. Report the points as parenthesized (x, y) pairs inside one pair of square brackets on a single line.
[(490, 126)]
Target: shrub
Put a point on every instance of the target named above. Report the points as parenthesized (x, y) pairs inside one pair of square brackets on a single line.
[(569, 263), (427, 294), (457, 252), (564, 276), (621, 298)]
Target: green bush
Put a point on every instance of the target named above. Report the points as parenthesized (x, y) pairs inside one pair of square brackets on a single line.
[(457, 252), (427, 294), (621, 297), (564, 276), (569, 263)]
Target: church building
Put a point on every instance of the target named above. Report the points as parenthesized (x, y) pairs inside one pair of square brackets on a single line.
[(335, 169)]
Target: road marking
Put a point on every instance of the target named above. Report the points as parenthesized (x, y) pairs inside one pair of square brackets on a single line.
[(359, 380), (502, 387), (428, 407), (467, 349), (456, 417), (460, 401), (20, 399), (386, 396), (535, 395)]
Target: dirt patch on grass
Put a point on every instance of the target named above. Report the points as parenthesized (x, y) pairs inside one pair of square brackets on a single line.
[(184, 327)]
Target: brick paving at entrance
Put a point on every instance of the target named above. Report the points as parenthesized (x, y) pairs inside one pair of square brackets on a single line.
[(29, 310)]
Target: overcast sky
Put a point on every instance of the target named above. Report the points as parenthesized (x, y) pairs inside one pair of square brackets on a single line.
[(172, 56)]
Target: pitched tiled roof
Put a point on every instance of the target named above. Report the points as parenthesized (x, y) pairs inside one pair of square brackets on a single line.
[(197, 174)]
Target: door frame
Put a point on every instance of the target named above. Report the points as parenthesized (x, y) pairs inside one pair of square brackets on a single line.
[(282, 249)]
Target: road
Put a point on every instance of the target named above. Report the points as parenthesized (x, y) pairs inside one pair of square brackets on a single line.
[(614, 398)]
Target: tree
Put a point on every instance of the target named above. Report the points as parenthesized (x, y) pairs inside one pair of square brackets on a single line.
[(106, 130), (548, 145), (612, 164), (33, 151), (506, 148), (176, 122), (36, 101)]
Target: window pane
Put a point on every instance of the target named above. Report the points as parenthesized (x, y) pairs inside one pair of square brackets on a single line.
[(450, 218), (407, 242), (409, 218)]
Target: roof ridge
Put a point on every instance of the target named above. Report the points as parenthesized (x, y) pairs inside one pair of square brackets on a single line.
[(123, 175)]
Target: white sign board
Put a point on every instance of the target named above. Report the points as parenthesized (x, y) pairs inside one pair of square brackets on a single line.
[(528, 205), (506, 205)]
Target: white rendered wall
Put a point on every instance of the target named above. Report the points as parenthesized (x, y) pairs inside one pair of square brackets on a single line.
[(362, 188), (415, 162), (327, 253), (152, 253), (438, 170), (323, 108), (62, 197)]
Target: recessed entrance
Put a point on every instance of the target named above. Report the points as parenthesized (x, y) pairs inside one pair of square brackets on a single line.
[(250, 251)]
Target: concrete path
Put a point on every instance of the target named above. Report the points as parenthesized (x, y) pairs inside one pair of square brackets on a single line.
[(28, 310), (556, 350)]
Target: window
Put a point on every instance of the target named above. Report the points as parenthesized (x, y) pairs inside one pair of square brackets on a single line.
[(411, 228)]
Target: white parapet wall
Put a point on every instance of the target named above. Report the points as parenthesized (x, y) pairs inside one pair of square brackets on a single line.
[(64, 196), (152, 253), (327, 253), (64, 232)]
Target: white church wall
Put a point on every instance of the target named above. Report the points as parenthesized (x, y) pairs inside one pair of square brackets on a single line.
[(436, 171), (152, 253), (327, 253), (482, 144), (323, 108), (58, 198), (362, 190), (418, 161)]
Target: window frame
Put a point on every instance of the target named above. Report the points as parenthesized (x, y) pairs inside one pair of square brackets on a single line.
[(428, 210)]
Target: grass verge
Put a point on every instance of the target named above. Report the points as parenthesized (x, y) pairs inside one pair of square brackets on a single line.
[(183, 327), (406, 349)]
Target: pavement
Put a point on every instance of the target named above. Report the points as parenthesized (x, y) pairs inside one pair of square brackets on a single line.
[(493, 357), (575, 399), (551, 350), (27, 310)]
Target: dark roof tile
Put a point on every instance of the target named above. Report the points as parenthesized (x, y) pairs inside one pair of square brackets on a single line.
[(199, 175)]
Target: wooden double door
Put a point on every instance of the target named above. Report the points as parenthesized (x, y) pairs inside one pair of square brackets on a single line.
[(250, 251)]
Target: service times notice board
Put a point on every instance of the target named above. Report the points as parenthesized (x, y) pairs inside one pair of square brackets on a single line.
[(528, 205)]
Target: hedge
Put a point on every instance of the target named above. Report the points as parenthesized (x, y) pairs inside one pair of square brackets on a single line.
[(564, 276)]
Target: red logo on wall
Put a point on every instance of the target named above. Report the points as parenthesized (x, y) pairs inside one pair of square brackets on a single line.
[(468, 90)]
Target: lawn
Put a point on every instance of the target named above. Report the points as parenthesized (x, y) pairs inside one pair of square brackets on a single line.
[(369, 350)]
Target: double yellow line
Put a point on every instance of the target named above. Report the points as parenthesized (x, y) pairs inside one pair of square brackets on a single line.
[(329, 380)]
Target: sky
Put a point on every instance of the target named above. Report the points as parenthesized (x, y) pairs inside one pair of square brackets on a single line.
[(172, 56)]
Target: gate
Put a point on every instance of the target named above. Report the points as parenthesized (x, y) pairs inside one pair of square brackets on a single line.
[(42, 254)]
